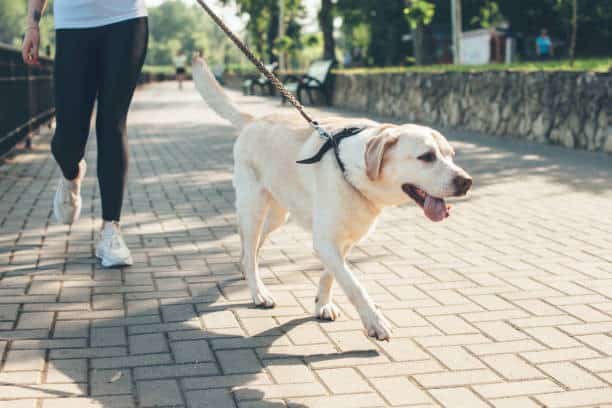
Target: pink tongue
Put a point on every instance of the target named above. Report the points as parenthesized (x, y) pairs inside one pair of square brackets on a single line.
[(435, 209)]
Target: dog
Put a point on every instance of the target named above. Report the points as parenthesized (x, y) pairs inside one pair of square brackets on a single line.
[(338, 198)]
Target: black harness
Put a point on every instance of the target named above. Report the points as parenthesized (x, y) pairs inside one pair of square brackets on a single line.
[(333, 142)]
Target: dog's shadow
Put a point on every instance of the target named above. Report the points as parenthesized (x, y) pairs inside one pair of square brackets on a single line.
[(118, 373)]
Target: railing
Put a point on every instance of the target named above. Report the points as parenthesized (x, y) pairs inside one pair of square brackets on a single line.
[(26, 97)]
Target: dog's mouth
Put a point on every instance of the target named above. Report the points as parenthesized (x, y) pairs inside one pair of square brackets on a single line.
[(435, 208)]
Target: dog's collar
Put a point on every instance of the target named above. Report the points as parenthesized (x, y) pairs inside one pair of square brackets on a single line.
[(333, 142)]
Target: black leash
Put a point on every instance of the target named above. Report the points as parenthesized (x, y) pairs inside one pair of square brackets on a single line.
[(331, 141)]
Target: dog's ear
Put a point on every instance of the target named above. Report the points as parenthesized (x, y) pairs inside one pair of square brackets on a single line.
[(375, 152)]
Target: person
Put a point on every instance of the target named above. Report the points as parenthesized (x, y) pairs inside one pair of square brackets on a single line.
[(544, 46), (180, 60), (100, 50)]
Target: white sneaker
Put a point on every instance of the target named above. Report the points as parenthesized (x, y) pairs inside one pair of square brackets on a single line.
[(67, 202), (111, 249)]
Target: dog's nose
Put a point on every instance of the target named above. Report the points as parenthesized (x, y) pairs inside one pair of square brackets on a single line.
[(462, 184)]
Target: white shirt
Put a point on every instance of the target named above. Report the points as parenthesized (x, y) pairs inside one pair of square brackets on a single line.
[(95, 13), (180, 61)]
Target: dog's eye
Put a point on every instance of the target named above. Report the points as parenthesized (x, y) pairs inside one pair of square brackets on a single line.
[(428, 157)]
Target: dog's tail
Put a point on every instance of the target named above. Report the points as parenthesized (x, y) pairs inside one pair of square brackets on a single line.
[(215, 96)]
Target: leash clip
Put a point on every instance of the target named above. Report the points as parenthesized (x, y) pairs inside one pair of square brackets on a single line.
[(322, 132)]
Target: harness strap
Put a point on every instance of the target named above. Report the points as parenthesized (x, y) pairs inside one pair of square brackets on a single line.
[(333, 142)]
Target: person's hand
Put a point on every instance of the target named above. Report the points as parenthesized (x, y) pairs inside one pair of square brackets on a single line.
[(31, 43)]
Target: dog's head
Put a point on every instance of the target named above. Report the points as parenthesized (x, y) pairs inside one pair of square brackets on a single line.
[(417, 162)]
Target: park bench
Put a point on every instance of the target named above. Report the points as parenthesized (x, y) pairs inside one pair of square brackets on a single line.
[(249, 84), (315, 79)]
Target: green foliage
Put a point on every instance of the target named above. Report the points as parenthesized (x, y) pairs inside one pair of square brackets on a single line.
[(310, 40), (13, 21), (176, 26), (262, 24), (12, 16), (419, 12), (489, 16)]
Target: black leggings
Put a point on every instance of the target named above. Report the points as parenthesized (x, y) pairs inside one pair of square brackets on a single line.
[(104, 62)]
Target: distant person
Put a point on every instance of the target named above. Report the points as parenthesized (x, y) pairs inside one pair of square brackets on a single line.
[(544, 46), (180, 61), (348, 59), (100, 50)]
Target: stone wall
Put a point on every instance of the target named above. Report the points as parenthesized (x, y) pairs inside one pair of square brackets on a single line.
[(569, 108)]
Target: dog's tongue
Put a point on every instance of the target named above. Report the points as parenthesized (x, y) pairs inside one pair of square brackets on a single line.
[(435, 208)]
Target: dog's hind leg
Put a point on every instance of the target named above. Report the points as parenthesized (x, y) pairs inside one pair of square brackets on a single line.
[(252, 205)]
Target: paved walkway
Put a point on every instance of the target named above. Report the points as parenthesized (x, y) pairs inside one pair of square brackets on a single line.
[(507, 304)]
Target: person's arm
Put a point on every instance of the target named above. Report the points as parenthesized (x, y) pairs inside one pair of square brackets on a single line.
[(537, 47), (31, 40)]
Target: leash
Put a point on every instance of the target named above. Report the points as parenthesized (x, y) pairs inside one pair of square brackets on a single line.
[(273, 79), (331, 141)]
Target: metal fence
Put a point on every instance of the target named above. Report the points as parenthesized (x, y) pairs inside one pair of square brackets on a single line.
[(26, 97)]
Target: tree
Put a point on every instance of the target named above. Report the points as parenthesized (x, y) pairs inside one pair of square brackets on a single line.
[(418, 14), (572, 50), (356, 26), (388, 29), (527, 17), (326, 22), (262, 25), (175, 26)]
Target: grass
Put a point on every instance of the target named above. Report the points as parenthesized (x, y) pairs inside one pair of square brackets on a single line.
[(587, 64)]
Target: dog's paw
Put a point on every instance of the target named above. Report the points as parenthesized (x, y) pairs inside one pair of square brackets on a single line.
[(328, 311), (378, 327), (263, 298)]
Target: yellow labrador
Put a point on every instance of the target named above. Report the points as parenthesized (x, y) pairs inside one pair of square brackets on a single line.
[(384, 165)]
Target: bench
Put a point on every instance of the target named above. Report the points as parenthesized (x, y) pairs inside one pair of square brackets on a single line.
[(315, 79), (249, 84)]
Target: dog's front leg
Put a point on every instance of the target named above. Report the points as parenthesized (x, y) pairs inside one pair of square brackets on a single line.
[(333, 260), (325, 309)]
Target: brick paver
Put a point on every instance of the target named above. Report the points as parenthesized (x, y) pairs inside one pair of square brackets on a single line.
[(506, 304)]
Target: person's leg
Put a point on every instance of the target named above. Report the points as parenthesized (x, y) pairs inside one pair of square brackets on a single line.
[(75, 93), (122, 55)]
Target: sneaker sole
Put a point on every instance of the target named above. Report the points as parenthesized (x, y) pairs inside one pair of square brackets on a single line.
[(109, 262), (112, 262)]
